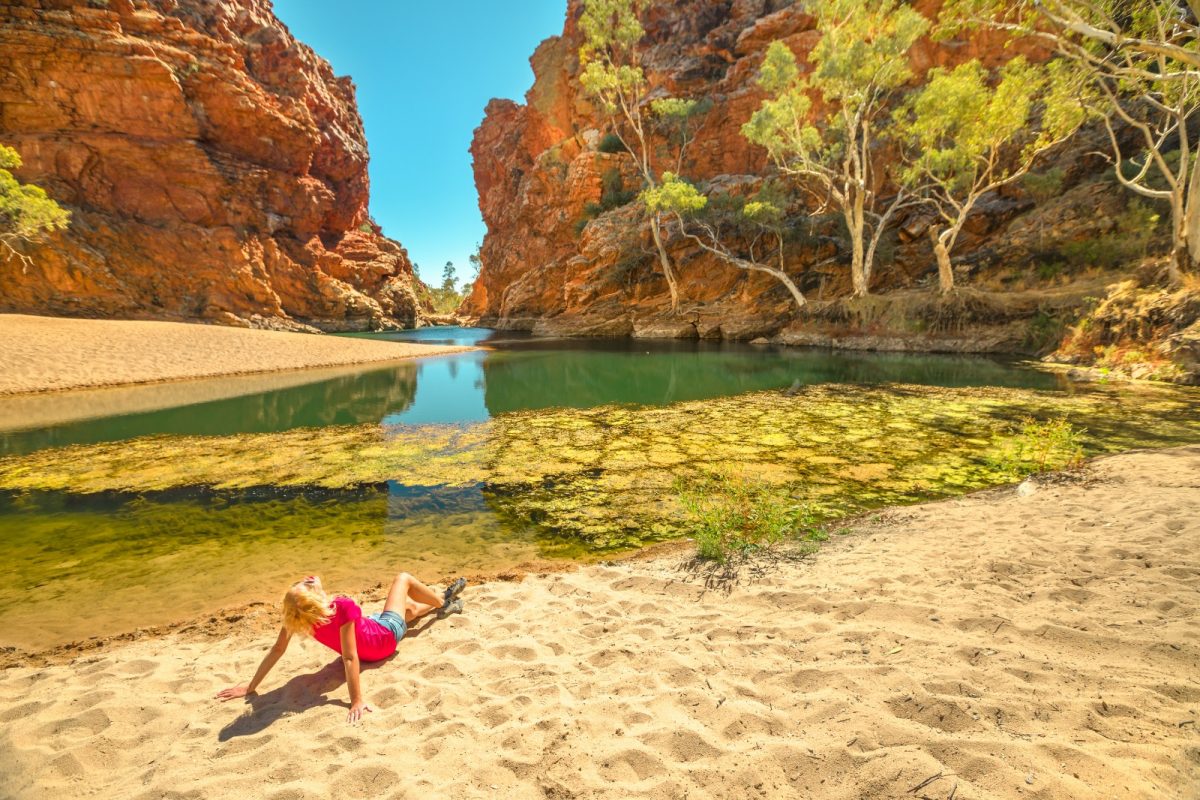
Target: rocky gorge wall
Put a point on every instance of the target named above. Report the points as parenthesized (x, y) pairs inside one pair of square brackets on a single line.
[(214, 166), (538, 165)]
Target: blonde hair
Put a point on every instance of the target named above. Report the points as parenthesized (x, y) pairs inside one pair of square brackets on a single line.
[(305, 608)]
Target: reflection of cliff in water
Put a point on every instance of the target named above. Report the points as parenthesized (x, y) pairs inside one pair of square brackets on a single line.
[(660, 373), (345, 400)]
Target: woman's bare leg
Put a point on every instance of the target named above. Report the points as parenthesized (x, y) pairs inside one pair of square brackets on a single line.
[(410, 597)]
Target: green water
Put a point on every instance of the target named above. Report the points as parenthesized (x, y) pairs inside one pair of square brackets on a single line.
[(517, 373), (475, 463)]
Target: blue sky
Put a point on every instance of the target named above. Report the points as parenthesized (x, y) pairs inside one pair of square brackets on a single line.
[(424, 72)]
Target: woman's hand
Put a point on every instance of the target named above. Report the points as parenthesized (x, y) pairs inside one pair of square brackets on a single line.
[(234, 692), (357, 710)]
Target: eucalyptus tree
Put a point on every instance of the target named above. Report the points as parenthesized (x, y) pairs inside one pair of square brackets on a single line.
[(967, 133), (832, 147), (1144, 60), (27, 213), (613, 76), (685, 203)]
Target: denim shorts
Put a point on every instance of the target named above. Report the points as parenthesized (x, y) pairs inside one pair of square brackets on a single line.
[(393, 622)]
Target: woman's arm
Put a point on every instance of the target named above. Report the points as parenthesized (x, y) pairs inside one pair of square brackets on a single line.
[(358, 706), (273, 655)]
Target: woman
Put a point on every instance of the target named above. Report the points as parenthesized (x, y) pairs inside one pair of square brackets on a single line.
[(338, 623)]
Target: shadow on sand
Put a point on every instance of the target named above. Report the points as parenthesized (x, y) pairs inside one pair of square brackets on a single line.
[(304, 692)]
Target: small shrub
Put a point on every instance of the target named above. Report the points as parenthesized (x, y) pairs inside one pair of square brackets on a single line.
[(1045, 331), (613, 194), (1038, 447), (610, 143), (628, 269), (1049, 270), (731, 516), (553, 159), (1130, 241)]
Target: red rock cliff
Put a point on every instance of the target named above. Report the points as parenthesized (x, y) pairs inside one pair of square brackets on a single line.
[(537, 166), (214, 166)]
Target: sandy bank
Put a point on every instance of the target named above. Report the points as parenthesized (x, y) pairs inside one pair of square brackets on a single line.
[(996, 646), (41, 354)]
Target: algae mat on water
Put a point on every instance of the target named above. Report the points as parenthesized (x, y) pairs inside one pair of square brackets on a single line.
[(604, 476)]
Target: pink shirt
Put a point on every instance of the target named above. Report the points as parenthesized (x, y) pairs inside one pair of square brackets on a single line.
[(374, 641)]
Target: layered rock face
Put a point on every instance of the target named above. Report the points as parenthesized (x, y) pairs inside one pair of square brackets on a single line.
[(214, 166), (538, 166)]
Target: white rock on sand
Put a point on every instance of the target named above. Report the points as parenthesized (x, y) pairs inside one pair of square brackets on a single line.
[(986, 647), (41, 354)]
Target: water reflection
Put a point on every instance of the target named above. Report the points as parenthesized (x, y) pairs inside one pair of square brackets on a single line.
[(239, 407), (516, 372), (135, 560)]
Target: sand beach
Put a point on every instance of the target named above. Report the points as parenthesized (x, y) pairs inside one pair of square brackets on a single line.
[(45, 354), (1002, 645)]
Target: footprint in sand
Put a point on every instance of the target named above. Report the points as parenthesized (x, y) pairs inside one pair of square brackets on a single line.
[(293, 794), (682, 745), (141, 667), (22, 711), (508, 652), (933, 713), (441, 671), (78, 726), (494, 717), (631, 765), (370, 781)]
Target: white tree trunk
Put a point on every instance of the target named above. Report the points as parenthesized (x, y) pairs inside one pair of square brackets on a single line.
[(942, 251), (1180, 260), (665, 261), (858, 273), (746, 264), (1191, 261)]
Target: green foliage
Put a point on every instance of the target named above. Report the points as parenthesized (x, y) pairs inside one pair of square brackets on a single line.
[(1127, 242), (611, 143), (1045, 331), (763, 212), (1037, 447), (446, 298), (445, 302), (1044, 186), (730, 516), (1154, 179), (628, 268), (1139, 64), (1049, 270), (861, 57), (860, 61), (959, 127), (27, 213), (611, 24), (677, 119), (476, 260), (678, 109), (966, 133), (743, 217), (552, 158), (611, 30), (613, 194), (674, 194)]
